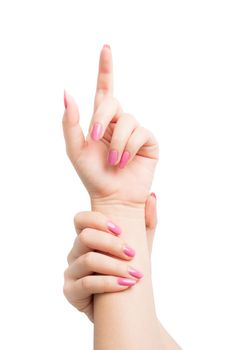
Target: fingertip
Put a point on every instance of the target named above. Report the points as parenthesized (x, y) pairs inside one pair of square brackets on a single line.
[(71, 115), (124, 159), (107, 46), (105, 64), (114, 228), (150, 211), (96, 131), (126, 282), (153, 195), (65, 99)]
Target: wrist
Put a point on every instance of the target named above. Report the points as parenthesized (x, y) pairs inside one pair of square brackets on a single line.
[(131, 220), (124, 210), (130, 217)]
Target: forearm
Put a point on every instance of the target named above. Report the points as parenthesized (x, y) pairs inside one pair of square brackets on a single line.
[(168, 342), (127, 320)]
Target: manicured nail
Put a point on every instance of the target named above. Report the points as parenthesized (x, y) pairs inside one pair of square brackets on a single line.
[(65, 99), (107, 46), (96, 131), (112, 157), (114, 228), (126, 281), (153, 194), (124, 159), (128, 251), (135, 273)]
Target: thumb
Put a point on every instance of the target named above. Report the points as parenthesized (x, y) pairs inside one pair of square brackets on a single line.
[(72, 131), (151, 217), (151, 212)]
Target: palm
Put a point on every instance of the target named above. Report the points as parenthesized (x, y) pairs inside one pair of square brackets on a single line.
[(89, 157), (103, 181)]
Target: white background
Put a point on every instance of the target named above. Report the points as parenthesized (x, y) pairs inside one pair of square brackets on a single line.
[(173, 71)]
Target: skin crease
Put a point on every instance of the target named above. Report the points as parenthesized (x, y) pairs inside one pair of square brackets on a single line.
[(83, 300), (112, 192), (82, 221), (105, 183)]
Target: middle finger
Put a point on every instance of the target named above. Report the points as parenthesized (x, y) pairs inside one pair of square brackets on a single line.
[(91, 239), (108, 111)]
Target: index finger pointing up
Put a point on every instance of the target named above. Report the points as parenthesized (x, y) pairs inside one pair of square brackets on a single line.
[(105, 76)]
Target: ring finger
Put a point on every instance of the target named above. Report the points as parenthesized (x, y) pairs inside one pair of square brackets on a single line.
[(91, 239), (102, 264), (124, 127)]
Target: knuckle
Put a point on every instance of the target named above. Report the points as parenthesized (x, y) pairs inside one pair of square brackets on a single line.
[(76, 218), (131, 144), (66, 273), (68, 258), (88, 259), (114, 100), (116, 141), (79, 217), (129, 117), (142, 129), (75, 242), (86, 283), (150, 134), (66, 289), (84, 235)]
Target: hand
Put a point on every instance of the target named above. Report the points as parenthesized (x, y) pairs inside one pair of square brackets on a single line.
[(98, 256), (104, 171)]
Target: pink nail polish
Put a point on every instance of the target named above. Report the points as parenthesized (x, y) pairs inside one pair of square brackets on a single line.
[(65, 99), (107, 46), (96, 131), (153, 194), (126, 281), (112, 157), (128, 251), (124, 159), (114, 228), (135, 273)]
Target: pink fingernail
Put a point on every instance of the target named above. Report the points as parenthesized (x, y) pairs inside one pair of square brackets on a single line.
[(112, 157), (126, 281), (135, 273), (124, 159), (128, 251), (153, 194), (65, 99), (107, 46), (114, 228), (96, 131)]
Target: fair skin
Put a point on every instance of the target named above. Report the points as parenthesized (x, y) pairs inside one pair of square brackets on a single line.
[(116, 163), (94, 236)]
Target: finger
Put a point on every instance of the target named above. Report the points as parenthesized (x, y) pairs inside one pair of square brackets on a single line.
[(95, 220), (90, 219), (80, 289), (151, 218), (72, 131), (108, 110), (93, 262), (105, 76), (124, 127), (91, 239), (141, 142), (151, 212)]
